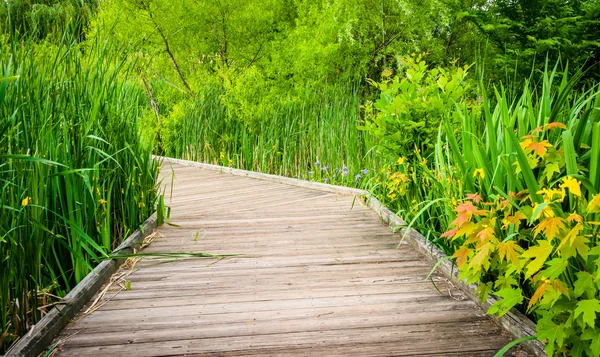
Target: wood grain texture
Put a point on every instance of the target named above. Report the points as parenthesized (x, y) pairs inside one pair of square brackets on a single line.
[(320, 275)]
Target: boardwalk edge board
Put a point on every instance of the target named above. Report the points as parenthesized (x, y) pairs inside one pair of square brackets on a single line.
[(514, 322), (43, 333), (342, 190)]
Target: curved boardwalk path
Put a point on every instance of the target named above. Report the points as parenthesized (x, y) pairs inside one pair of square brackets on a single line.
[(324, 279)]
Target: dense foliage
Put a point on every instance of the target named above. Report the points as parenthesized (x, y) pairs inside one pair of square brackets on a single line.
[(511, 191), (445, 108), (75, 178)]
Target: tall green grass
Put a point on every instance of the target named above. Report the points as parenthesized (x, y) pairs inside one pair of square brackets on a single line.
[(74, 176), (317, 128)]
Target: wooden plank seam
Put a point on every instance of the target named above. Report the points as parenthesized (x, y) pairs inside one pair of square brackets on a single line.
[(514, 322)]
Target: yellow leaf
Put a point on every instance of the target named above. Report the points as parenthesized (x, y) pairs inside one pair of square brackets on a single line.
[(538, 294), (516, 219), (570, 237), (509, 251), (482, 257), (466, 229), (546, 212), (539, 254), (551, 226), (572, 184), (594, 205), (549, 194), (479, 173)]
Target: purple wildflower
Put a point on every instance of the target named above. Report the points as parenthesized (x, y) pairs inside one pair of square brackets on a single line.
[(326, 180), (317, 164)]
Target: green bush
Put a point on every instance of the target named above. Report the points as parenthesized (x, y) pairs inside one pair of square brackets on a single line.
[(412, 104), (511, 191)]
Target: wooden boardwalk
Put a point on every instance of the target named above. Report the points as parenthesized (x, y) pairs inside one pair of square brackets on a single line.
[(322, 277)]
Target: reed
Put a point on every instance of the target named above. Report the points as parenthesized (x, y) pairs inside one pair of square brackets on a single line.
[(75, 178), (318, 128)]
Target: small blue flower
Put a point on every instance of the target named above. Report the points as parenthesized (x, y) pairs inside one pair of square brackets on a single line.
[(317, 164), (324, 168), (326, 180), (357, 178), (310, 173), (364, 172)]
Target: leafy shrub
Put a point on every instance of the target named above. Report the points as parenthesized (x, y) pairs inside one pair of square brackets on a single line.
[(516, 203), (412, 105)]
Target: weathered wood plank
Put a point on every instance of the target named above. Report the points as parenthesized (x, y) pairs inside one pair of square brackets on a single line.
[(321, 275)]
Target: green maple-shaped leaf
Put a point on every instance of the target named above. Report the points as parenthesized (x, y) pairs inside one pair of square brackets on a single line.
[(590, 334), (584, 283), (540, 253), (588, 308), (511, 298), (546, 329), (595, 347), (555, 268)]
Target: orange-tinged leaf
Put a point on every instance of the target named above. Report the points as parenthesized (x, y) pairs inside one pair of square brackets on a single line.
[(539, 148), (486, 234), (461, 255), (560, 286), (466, 210), (538, 294), (556, 125), (539, 129), (450, 234), (539, 254), (522, 195), (594, 205), (551, 227), (475, 197), (574, 217), (572, 184)]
